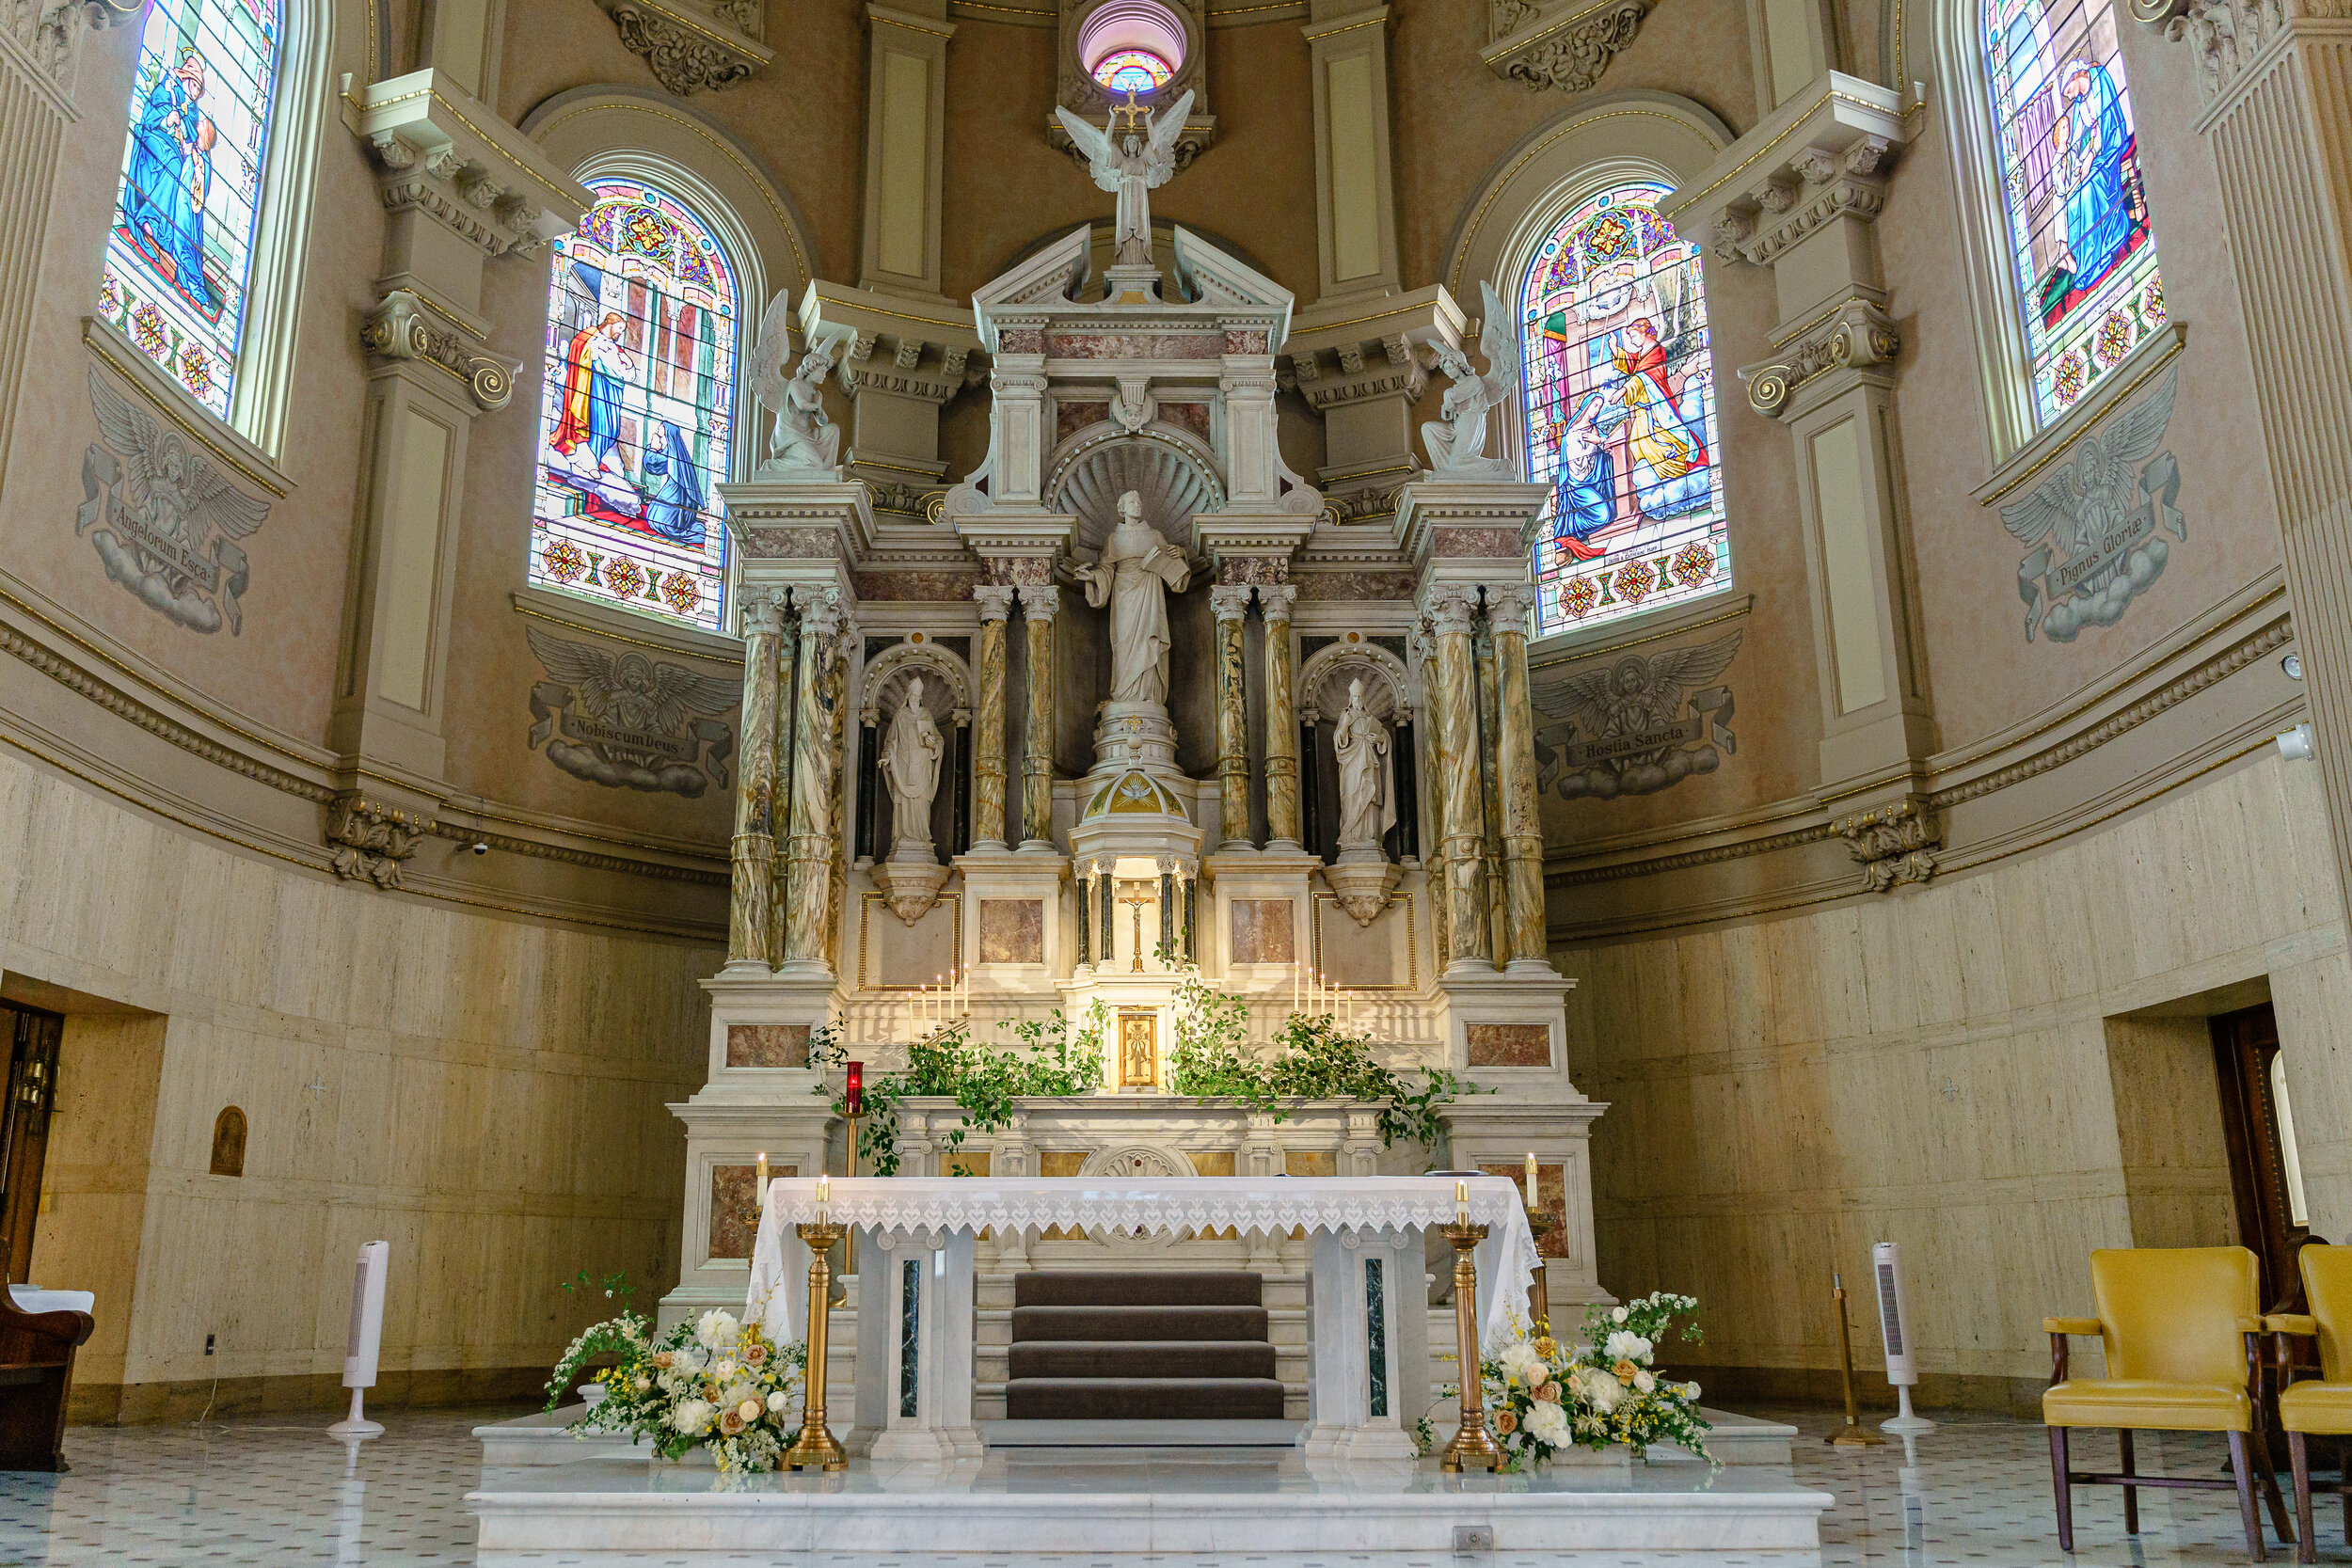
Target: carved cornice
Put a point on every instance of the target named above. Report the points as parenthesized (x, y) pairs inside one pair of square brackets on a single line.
[(405, 328), (1855, 335), (1565, 45), (50, 33), (2227, 35), (926, 348), (587, 859), (1821, 157), (1352, 374), (1816, 188), (691, 46), (443, 153)]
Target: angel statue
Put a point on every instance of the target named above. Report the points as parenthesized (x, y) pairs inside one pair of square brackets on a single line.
[(172, 527), (803, 442), (1132, 168), (1457, 441), (2091, 525)]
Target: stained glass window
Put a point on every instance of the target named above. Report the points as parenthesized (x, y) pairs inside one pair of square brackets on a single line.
[(2077, 215), (1133, 70), (1620, 404), (180, 254), (639, 409)]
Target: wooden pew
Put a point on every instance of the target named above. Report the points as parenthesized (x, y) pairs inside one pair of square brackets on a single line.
[(36, 1371)]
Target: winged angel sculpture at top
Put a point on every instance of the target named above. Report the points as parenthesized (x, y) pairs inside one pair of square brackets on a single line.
[(1456, 442), (803, 439), (1132, 167), (2094, 522), (173, 519)]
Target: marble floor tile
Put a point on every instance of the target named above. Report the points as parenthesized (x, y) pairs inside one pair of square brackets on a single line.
[(275, 1490)]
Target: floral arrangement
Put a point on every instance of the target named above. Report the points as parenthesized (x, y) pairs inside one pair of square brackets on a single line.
[(1542, 1395), (713, 1383), (1314, 1059)]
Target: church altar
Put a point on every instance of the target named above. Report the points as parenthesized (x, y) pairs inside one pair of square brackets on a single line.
[(1367, 1331)]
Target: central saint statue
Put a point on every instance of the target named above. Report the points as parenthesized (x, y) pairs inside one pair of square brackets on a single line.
[(1133, 575)]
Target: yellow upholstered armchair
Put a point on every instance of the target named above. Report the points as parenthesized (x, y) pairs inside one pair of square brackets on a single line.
[(2180, 1326), (2320, 1406)]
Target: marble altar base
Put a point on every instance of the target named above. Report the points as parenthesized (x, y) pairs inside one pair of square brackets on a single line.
[(1130, 1505)]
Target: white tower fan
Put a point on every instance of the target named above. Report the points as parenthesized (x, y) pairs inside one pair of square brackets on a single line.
[(366, 1339), (1903, 1366)]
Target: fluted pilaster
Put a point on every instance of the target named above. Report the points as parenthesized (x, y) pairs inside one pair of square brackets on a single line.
[(1452, 607), (808, 909), (1038, 605), (751, 892), (988, 719), (1508, 609), (1228, 603), (1281, 720)]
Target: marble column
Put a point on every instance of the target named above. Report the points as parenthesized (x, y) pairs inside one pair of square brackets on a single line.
[(838, 861), (808, 907), (751, 896), (2271, 87), (1084, 879), (1490, 797), (1038, 605), (1421, 646), (988, 720), (1281, 724), (1452, 607), (785, 741), (1508, 607), (1228, 603)]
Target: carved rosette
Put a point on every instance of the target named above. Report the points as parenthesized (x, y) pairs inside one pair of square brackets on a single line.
[(366, 841), (404, 328), (1565, 45), (693, 47), (1893, 845)]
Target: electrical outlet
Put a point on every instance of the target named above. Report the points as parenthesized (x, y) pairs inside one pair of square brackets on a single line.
[(1469, 1538), (208, 1344)]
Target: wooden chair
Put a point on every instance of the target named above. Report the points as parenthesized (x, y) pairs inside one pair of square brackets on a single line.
[(2182, 1328), (2320, 1406), (36, 1371)]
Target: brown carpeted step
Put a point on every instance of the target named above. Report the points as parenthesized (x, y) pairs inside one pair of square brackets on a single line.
[(1047, 1399), (1141, 1358), (1139, 1322), (1082, 1288)]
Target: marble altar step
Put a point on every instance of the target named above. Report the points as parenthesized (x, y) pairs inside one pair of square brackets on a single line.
[(1132, 1398), (1033, 1358)]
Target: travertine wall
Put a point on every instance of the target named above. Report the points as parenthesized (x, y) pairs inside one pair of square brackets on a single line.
[(488, 1095), (1944, 1068)]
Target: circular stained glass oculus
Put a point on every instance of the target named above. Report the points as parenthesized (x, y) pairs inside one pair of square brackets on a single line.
[(1133, 70)]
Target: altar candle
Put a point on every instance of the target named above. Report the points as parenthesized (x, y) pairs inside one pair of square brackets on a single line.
[(1461, 1203), (759, 1193), (854, 1099), (824, 1197), (1293, 985), (1530, 1179)]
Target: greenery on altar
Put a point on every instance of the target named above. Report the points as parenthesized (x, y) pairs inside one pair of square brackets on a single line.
[(709, 1383), (1211, 1056)]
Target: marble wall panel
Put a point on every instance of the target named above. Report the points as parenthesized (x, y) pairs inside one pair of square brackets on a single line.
[(733, 1221), (892, 954), (1263, 931), (1012, 931), (1968, 1068), (767, 1045), (1063, 1162), (1310, 1161), (1212, 1162), (1509, 1045), (1383, 953)]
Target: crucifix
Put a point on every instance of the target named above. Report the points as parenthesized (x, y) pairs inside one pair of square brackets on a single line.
[(1136, 895)]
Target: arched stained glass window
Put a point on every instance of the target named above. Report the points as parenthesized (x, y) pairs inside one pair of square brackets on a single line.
[(639, 411), (179, 257), (1620, 406), (2085, 260)]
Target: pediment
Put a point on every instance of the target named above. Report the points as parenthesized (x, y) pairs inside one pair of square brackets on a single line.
[(1048, 278), (1211, 277)]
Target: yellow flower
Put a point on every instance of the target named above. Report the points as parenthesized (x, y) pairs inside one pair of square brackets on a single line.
[(1548, 1348), (1625, 1371), (1505, 1423)]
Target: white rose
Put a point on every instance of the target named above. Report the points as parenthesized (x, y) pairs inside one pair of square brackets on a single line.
[(776, 1401), (1618, 1316), (1547, 1424), (692, 1417), (724, 1369), (1625, 1345), (1644, 1381), (717, 1327), (1515, 1361)]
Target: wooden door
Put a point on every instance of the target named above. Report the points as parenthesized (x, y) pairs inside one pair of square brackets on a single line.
[(2268, 1192), (32, 1094)]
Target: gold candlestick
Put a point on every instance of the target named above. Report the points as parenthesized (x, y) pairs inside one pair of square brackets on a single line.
[(815, 1446), (1472, 1442)]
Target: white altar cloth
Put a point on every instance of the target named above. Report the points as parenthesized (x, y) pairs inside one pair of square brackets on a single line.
[(1341, 1205)]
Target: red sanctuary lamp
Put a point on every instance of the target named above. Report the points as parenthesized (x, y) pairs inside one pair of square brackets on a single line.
[(853, 1105)]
